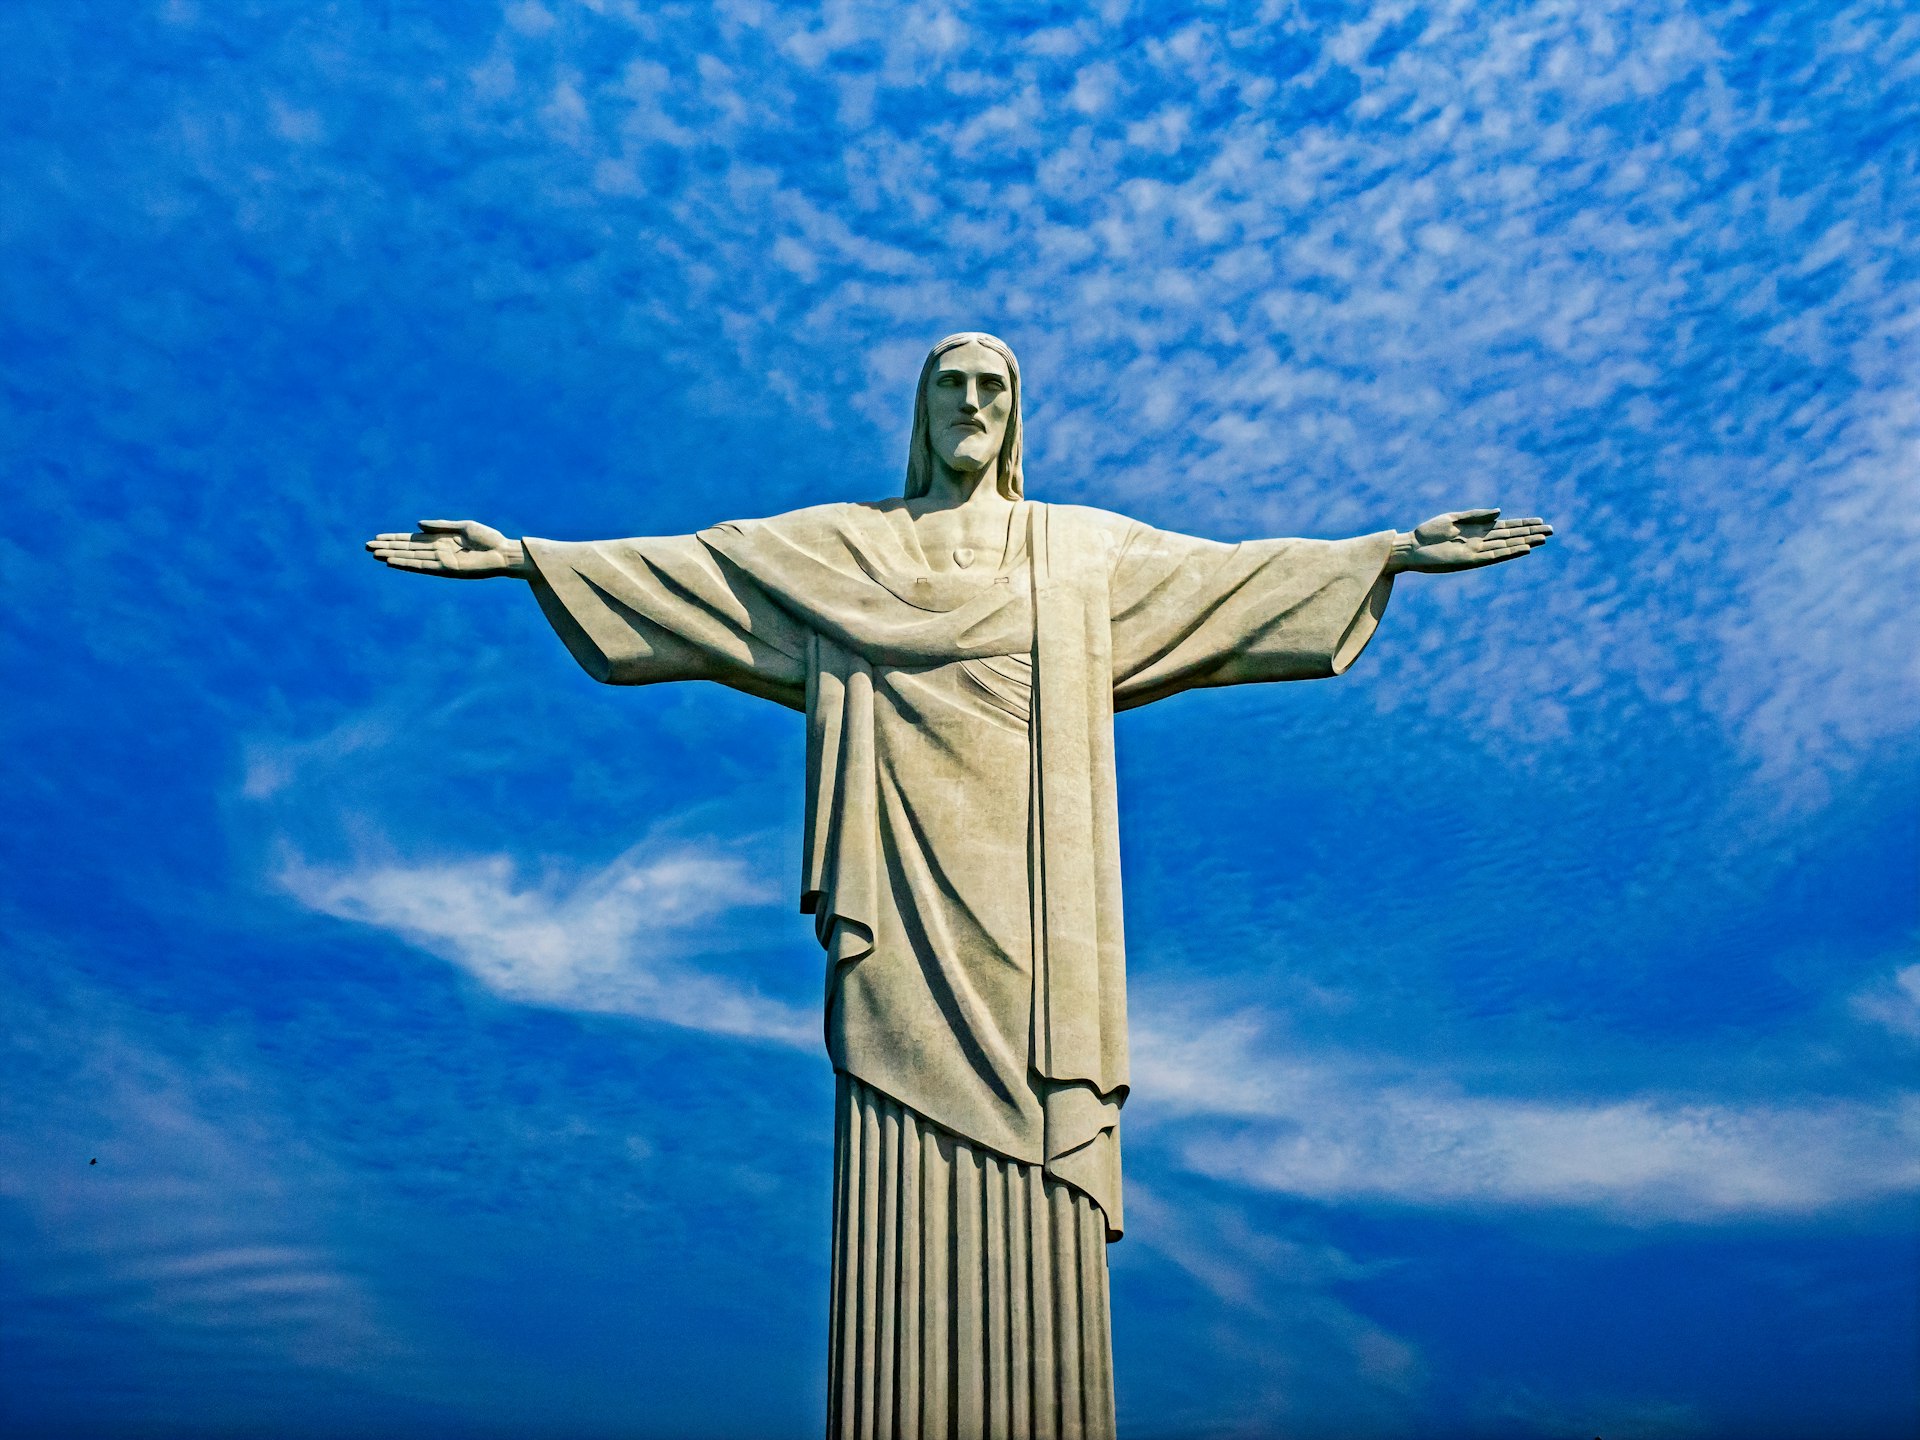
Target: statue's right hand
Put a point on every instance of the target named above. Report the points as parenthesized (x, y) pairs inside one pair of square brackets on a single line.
[(458, 549)]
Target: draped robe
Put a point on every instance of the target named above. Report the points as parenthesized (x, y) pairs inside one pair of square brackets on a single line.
[(961, 849)]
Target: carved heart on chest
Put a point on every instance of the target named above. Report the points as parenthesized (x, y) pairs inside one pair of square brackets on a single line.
[(963, 556)]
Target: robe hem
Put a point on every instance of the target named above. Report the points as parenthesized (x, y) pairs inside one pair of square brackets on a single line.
[(1043, 1165)]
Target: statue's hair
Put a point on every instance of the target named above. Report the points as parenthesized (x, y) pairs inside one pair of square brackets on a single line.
[(920, 460)]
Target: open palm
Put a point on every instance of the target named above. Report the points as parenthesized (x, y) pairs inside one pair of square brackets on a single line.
[(458, 549), (1468, 539)]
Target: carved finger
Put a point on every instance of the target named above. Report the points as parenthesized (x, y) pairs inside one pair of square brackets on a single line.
[(1512, 529), (393, 535), (1521, 541), (406, 563), (444, 527)]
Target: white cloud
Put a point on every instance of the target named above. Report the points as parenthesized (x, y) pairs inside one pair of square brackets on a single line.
[(1819, 655), (616, 941), (273, 766), (1522, 261), (1324, 320), (1893, 1003), (1342, 1127)]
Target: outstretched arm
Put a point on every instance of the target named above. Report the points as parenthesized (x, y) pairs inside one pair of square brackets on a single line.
[(632, 612), (457, 549), (1465, 540), (1189, 613)]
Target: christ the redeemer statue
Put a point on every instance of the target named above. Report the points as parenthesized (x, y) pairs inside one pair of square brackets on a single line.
[(959, 654)]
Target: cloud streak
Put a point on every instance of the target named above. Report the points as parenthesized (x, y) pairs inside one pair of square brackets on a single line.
[(614, 941), (1342, 1128), (167, 1197)]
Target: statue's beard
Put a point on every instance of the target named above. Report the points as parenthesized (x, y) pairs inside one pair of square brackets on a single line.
[(972, 455)]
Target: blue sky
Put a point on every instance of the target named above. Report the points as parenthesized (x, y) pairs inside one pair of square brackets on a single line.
[(1526, 1023)]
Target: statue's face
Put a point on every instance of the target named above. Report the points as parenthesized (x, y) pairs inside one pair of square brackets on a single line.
[(969, 397)]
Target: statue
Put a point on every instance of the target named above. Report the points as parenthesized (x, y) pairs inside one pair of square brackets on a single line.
[(959, 654)]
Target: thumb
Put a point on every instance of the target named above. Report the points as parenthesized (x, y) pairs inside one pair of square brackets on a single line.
[(1473, 517), (444, 527)]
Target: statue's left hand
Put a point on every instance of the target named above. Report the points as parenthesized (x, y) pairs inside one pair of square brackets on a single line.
[(1466, 540)]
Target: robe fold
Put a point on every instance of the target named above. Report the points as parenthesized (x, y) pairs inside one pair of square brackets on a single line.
[(961, 850)]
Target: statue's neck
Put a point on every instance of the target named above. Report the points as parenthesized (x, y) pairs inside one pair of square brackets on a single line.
[(956, 490)]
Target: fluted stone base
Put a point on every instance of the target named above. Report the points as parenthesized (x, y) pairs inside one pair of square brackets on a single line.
[(969, 1290)]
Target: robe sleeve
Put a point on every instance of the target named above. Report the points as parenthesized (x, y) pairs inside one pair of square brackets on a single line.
[(637, 612), (1189, 613)]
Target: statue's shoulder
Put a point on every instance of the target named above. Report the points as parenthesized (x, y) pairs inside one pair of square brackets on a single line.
[(836, 517), (1088, 515), (1106, 526), (836, 535)]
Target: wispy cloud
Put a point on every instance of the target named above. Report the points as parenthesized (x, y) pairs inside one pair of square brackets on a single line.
[(1638, 1417), (1305, 1359), (171, 1199), (1646, 267), (1893, 1002), (617, 940), (1328, 275), (1345, 1127)]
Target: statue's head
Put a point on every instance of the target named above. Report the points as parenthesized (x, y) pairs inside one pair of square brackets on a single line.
[(966, 412)]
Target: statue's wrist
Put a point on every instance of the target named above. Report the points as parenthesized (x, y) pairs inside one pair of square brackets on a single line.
[(519, 563), (1400, 556)]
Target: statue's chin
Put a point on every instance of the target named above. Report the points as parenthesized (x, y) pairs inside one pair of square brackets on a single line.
[(970, 456)]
